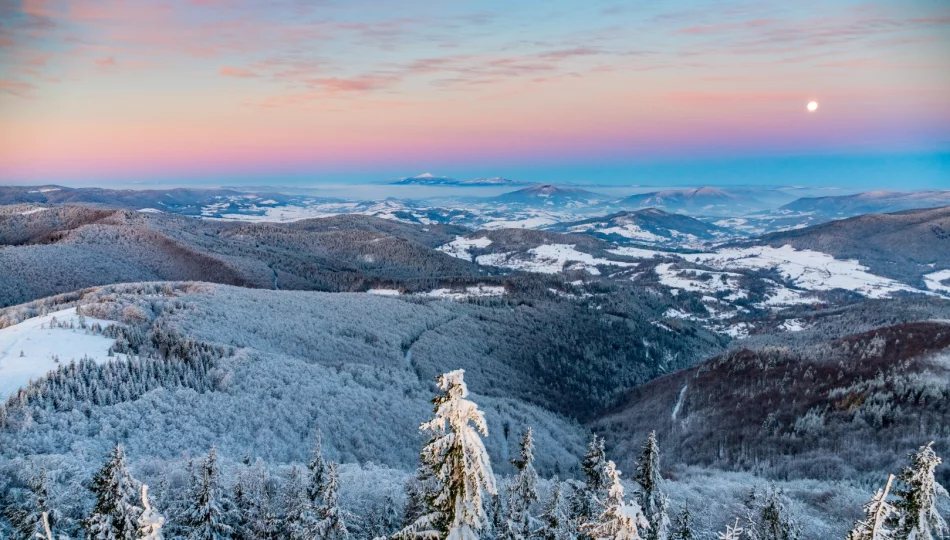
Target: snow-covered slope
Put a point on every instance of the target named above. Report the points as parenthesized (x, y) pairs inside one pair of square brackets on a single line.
[(36, 346)]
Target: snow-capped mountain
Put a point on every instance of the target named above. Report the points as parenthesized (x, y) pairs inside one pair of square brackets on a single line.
[(550, 195), (698, 201), (428, 179), (867, 203)]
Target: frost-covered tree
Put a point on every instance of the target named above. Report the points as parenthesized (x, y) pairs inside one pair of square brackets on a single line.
[(316, 471), (460, 466), (523, 491), (683, 526), (733, 532), (770, 520), (383, 519), (299, 518), (917, 500), (151, 521), (26, 514), (115, 514), (205, 514), (332, 525), (878, 512), (651, 498), (620, 519), (594, 465), (555, 522)]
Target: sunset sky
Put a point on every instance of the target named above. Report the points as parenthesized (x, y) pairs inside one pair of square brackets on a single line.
[(224, 91)]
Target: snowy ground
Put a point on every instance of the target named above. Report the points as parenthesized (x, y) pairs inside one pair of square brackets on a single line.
[(461, 246), (811, 270), (935, 281), (29, 349), (549, 259)]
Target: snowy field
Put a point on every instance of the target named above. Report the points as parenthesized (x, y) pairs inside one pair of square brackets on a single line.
[(461, 246), (30, 349), (549, 259), (935, 281), (811, 270)]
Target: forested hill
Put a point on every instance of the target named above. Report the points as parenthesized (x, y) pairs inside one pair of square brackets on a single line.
[(60, 249), (904, 245), (833, 409)]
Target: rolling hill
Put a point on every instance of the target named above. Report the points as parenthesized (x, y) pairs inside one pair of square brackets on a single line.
[(871, 202)]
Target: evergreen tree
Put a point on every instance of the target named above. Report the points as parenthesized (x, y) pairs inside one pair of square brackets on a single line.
[(594, 466), (151, 521), (262, 521), (317, 470), (523, 492), (619, 520), (877, 513), (683, 527), (459, 463), (651, 497), (774, 522), (555, 522), (299, 519), (917, 501), (384, 518), (26, 515), (332, 525), (115, 514), (205, 515)]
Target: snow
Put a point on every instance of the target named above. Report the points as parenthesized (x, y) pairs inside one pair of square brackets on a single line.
[(384, 292), (935, 281), (638, 253), (31, 211), (40, 344), (44, 190), (679, 403), (527, 223), (549, 259), (793, 325), (811, 270), (460, 247), (688, 279), (150, 210), (469, 292), (626, 230)]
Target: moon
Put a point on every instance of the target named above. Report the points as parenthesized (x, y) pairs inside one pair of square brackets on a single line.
[(812, 106)]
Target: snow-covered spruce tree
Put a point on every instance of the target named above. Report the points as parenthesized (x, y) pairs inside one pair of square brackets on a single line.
[(523, 491), (316, 472), (115, 514), (332, 524), (650, 496), (460, 466), (774, 522), (620, 519), (205, 515), (877, 513), (555, 522), (26, 514), (586, 503), (299, 520), (918, 518), (683, 526), (262, 523), (151, 521), (383, 519)]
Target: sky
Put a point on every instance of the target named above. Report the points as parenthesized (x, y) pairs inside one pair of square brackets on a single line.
[(222, 92)]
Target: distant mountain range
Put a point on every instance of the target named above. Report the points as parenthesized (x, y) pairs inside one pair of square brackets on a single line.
[(550, 195), (868, 203), (427, 179), (650, 225), (698, 201)]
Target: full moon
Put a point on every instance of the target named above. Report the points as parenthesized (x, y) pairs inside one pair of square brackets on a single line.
[(812, 106)]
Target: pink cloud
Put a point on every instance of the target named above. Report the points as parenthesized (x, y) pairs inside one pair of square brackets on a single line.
[(241, 73), (105, 63)]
